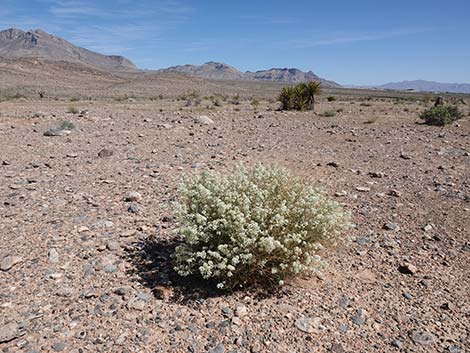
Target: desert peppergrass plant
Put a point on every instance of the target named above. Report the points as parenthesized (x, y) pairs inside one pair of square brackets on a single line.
[(256, 226)]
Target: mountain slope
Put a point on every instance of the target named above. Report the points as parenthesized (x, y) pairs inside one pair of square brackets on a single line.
[(221, 71), (15, 43), (427, 86)]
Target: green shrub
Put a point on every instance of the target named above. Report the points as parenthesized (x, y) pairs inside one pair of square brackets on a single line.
[(441, 115), (66, 125), (331, 99), (258, 226), (72, 110), (299, 97), (328, 113)]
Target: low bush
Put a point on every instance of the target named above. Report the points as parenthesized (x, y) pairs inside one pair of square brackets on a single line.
[(328, 114), (72, 110), (258, 226), (441, 115), (331, 99)]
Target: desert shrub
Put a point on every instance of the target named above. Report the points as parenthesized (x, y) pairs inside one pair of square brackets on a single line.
[(331, 99), (66, 125), (299, 97), (235, 99), (254, 103), (441, 115), (258, 226), (328, 114), (72, 110)]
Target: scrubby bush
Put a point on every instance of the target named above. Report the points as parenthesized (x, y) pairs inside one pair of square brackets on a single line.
[(72, 110), (300, 97), (258, 226), (328, 113), (331, 99), (441, 115)]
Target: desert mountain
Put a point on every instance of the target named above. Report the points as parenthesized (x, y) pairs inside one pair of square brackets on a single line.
[(427, 86), (221, 71), (15, 43)]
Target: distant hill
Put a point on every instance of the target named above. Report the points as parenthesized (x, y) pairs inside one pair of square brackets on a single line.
[(221, 71), (427, 86), (15, 43)]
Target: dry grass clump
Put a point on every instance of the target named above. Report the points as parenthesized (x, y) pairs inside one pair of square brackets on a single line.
[(258, 226)]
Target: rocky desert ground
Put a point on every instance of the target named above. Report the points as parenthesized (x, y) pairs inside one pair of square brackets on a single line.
[(89, 172)]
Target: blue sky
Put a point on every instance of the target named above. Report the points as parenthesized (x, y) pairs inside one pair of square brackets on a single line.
[(349, 41)]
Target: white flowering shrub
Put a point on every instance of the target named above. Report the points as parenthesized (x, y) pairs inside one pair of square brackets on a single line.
[(258, 226)]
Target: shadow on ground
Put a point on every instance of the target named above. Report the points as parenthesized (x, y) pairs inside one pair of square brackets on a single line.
[(153, 267)]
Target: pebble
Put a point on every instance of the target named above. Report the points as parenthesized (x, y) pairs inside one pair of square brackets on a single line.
[(308, 324), (422, 337), (407, 269), (408, 295), (362, 189), (105, 153), (220, 348), (53, 256), (133, 209), (110, 268), (397, 343), (241, 310), (427, 227), (133, 197), (337, 348), (9, 261), (113, 246), (58, 346), (9, 332), (203, 120), (391, 226), (358, 319)]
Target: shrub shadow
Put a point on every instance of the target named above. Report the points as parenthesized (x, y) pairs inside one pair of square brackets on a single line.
[(153, 267)]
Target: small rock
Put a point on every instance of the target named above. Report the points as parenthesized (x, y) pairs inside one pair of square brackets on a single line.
[(241, 310), (358, 319), (105, 153), (110, 268), (397, 343), (56, 132), (394, 193), (391, 226), (204, 120), (133, 197), (64, 292), (407, 269), (128, 233), (9, 332), (308, 324), (113, 246), (408, 295), (362, 189), (427, 227), (162, 292), (422, 337), (58, 346), (133, 209), (9, 261), (53, 256), (337, 348), (343, 301), (220, 348)]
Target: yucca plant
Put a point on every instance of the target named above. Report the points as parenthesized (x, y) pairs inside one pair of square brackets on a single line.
[(287, 98), (300, 97)]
